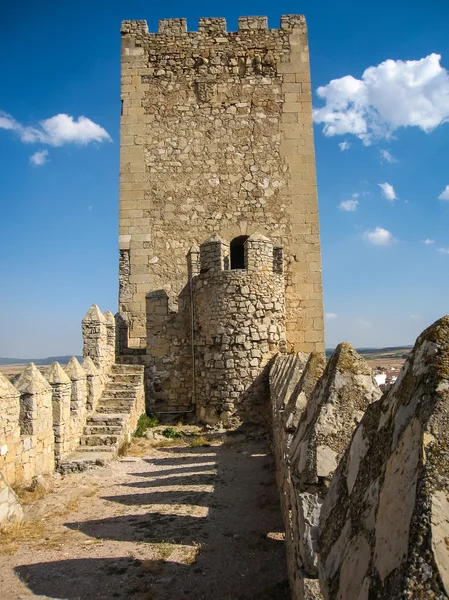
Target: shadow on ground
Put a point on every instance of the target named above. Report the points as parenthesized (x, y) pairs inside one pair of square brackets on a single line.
[(222, 500)]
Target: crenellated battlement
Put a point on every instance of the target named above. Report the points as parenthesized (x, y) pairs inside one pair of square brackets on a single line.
[(211, 26), (260, 254)]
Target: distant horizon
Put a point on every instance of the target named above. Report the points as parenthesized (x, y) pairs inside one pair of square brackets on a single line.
[(54, 357)]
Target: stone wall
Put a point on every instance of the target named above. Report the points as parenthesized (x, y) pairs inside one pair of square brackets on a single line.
[(216, 136), (364, 481), (235, 326), (384, 528), (35, 453), (239, 327), (42, 418)]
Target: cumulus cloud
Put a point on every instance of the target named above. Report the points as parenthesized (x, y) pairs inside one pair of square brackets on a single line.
[(379, 237), (57, 131), (428, 241), (330, 315), (387, 156), (444, 194), (394, 94), (348, 205), (344, 146), (39, 158), (443, 250), (388, 191)]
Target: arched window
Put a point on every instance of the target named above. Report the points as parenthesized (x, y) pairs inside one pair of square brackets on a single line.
[(237, 248)]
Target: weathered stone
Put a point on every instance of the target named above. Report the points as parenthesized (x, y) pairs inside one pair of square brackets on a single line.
[(56, 375), (10, 446), (391, 488), (31, 381), (10, 508), (336, 405)]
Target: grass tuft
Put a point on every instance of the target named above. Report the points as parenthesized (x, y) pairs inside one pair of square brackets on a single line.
[(145, 422), (199, 441)]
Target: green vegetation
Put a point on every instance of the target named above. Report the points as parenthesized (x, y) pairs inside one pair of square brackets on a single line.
[(172, 433), (145, 422)]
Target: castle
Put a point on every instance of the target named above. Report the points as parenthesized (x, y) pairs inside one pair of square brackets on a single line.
[(217, 157), (221, 316)]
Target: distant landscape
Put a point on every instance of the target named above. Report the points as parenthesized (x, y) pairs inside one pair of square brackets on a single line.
[(37, 361), (394, 352)]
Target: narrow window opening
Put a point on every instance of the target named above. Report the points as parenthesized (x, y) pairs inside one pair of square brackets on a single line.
[(237, 249)]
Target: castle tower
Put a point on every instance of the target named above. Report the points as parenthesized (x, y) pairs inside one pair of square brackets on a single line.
[(216, 137)]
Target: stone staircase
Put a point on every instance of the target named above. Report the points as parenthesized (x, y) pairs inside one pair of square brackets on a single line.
[(113, 420)]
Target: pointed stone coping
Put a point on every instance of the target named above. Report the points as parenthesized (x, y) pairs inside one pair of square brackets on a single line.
[(89, 367), (56, 375), (215, 239), (387, 510), (94, 315), (300, 396), (31, 381), (344, 391), (193, 250), (109, 318), (74, 370), (258, 237), (7, 390)]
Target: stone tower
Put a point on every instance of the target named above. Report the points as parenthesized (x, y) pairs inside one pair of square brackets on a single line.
[(216, 137)]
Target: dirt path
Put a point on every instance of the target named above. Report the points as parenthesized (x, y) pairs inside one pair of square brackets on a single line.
[(200, 523)]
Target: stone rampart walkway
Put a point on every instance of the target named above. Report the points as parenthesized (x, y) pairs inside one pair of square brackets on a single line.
[(200, 523)]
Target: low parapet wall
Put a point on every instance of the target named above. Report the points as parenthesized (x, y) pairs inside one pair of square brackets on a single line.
[(42, 417), (364, 481)]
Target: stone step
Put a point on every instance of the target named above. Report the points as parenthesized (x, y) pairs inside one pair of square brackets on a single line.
[(103, 429), (89, 449), (117, 395), (105, 419), (98, 440), (82, 460), (134, 378), (114, 408), (112, 387), (127, 369)]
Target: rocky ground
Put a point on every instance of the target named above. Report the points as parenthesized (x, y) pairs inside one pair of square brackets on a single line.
[(178, 522)]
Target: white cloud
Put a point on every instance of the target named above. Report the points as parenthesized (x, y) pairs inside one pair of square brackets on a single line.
[(387, 156), (444, 194), (379, 237), (428, 241), (414, 317), (344, 146), (388, 191), (443, 250), (57, 131), (39, 158), (329, 316), (396, 93), (348, 205)]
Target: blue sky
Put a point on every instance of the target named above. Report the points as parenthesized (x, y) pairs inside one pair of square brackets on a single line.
[(387, 125)]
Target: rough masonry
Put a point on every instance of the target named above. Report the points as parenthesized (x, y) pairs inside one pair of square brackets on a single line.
[(364, 481), (216, 137)]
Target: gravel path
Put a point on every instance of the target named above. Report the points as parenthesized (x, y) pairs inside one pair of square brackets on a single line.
[(200, 523)]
